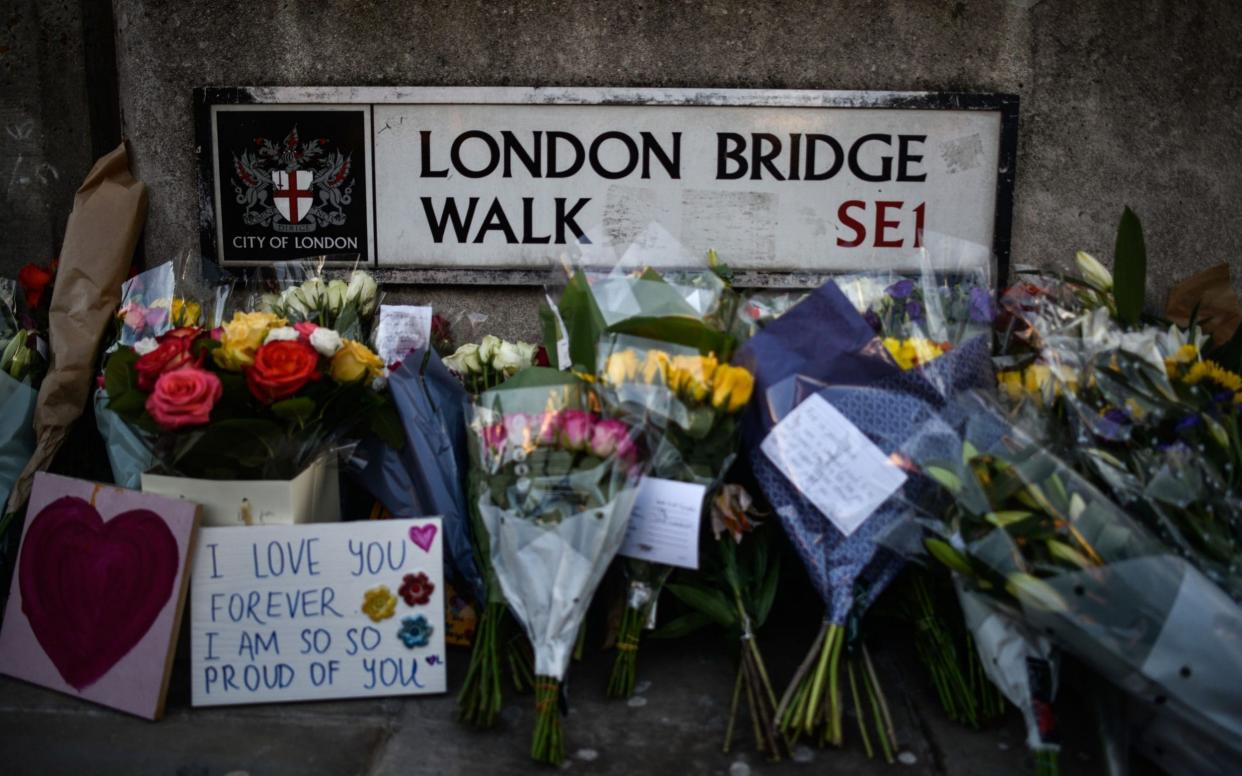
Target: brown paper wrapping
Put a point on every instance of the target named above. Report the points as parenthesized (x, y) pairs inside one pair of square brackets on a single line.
[(1219, 311), (109, 210)]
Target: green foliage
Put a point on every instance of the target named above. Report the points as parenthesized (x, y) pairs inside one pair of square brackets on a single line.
[(1130, 269)]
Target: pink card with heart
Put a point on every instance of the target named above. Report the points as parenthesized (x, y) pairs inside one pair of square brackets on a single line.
[(98, 593)]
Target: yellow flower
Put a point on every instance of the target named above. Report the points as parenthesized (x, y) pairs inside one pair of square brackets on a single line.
[(621, 367), (731, 389), (379, 603), (914, 351), (655, 366), (185, 312), (353, 362), (691, 375), (241, 337), (1186, 354), (1210, 370), (1010, 382)]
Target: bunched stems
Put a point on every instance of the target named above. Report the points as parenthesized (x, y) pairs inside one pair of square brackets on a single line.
[(625, 664), (548, 743), (479, 702)]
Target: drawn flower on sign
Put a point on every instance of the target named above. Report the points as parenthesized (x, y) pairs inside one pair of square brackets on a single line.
[(379, 603), (416, 589), (415, 632)]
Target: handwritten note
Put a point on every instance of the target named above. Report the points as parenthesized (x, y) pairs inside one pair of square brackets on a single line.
[(307, 612), (664, 526), (832, 463), (401, 329)]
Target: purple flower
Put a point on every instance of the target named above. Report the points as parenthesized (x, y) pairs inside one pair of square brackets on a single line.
[(1187, 423), (1112, 424), (914, 309), (873, 321), (982, 310), (901, 289)]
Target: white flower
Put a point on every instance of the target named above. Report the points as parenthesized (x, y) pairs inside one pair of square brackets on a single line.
[(294, 303), (286, 333), (314, 291), (488, 348), (1095, 273), (465, 360), (325, 341), (145, 346), (527, 352), (508, 358), (363, 290), (1171, 341), (270, 303), (863, 291), (336, 296)]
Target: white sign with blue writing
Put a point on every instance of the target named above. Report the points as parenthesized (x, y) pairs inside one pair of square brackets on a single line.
[(310, 612)]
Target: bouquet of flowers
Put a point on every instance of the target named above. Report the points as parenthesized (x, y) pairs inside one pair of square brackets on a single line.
[(688, 405), (257, 399), (346, 305), (21, 370), (552, 484), (828, 406), (490, 361), (1037, 538)]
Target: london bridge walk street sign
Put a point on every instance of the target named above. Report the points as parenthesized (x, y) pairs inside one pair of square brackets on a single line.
[(491, 184)]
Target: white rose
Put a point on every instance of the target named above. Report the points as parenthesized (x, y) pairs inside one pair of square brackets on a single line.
[(325, 341), (295, 306), (527, 352), (465, 360), (488, 347), (363, 290), (270, 303), (508, 358), (314, 291), (285, 333), (145, 346), (336, 296)]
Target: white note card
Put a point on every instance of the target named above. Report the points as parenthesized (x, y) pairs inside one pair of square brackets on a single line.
[(664, 526), (402, 329), (835, 465)]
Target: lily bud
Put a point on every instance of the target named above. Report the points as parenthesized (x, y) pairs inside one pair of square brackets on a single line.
[(1095, 273)]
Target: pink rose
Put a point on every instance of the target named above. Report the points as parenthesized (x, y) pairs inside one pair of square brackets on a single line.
[(184, 397), (607, 436), (494, 437), (518, 427), (575, 429), (546, 428), (305, 329)]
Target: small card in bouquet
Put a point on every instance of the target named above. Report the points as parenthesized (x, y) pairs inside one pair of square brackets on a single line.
[(98, 593), (664, 526), (832, 463), (318, 611), (402, 329)]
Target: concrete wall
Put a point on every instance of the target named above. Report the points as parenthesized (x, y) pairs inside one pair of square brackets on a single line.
[(45, 137), (1123, 102)]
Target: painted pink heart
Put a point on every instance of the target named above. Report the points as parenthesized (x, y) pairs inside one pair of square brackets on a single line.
[(423, 535), (91, 589)]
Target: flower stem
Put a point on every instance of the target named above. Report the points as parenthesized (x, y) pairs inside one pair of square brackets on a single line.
[(625, 664), (548, 741)]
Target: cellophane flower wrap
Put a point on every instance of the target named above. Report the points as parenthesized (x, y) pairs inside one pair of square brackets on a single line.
[(21, 371), (257, 398), (309, 292), (552, 484), (1038, 538), (824, 351)]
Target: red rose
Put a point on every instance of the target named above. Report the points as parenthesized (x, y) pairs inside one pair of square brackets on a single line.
[(171, 354), (185, 332), (280, 369), (184, 398), (34, 280)]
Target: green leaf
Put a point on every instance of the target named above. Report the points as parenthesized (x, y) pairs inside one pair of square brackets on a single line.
[(682, 626), (947, 479), (950, 557), (767, 592), (296, 409), (1130, 269), (710, 602)]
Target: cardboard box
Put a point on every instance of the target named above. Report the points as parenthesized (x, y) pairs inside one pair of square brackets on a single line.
[(311, 497)]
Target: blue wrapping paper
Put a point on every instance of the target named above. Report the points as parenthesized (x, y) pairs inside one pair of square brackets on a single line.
[(128, 455), (824, 347), (426, 476), (17, 438)]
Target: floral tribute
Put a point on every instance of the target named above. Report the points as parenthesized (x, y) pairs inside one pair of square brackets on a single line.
[(254, 399)]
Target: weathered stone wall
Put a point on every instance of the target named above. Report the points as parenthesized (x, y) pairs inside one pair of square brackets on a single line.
[(1122, 102), (45, 142)]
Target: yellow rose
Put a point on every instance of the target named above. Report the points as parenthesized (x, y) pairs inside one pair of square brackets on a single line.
[(1010, 382), (185, 312), (731, 389), (900, 352), (655, 366), (241, 337), (353, 362), (621, 367)]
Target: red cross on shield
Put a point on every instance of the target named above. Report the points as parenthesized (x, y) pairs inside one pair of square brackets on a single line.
[(293, 196)]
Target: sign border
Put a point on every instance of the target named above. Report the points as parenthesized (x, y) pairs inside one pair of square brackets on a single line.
[(205, 97)]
